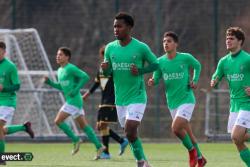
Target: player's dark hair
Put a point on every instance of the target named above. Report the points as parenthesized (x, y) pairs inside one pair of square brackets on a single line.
[(2, 45), (128, 19), (172, 35), (66, 51), (237, 32)]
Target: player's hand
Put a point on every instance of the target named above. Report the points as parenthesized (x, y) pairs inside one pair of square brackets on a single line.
[(1, 88), (151, 82), (134, 70), (85, 96), (214, 82), (247, 90), (104, 65), (45, 78), (193, 85)]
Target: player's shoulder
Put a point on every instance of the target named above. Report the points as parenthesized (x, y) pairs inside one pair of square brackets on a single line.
[(139, 43), (112, 44), (10, 63), (184, 54), (162, 57)]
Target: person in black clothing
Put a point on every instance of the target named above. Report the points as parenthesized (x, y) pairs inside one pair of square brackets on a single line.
[(107, 110)]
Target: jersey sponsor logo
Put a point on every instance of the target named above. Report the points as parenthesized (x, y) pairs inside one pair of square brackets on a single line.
[(64, 83), (235, 77), (121, 66), (173, 76), (242, 68)]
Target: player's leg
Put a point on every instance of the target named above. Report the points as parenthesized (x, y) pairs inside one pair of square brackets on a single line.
[(90, 133), (64, 113), (107, 115), (134, 115), (104, 132), (201, 159), (181, 117), (6, 114), (238, 135), (2, 142), (26, 127)]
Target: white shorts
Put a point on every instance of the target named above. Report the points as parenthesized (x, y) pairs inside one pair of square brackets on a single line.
[(72, 110), (243, 119), (131, 112), (231, 121), (6, 113), (184, 111)]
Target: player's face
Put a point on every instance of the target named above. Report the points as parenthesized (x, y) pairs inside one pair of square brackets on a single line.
[(121, 29), (232, 43), (2, 53), (61, 58), (169, 44)]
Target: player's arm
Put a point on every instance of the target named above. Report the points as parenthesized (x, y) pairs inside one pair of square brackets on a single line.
[(51, 83), (93, 88), (83, 78), (106, 65), (195, 64), (15, 86), (218, 75), (150, 59), (154, 80)]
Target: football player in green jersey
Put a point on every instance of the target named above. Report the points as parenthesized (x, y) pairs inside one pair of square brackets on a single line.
[(9, 84), (174, 68), (235, 67), (125, 58), (70, 80)]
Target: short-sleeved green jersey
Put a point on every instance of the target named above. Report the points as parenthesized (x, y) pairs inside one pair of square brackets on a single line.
[(68, 78), (176, 75), (8, 76), (129, 89), (236, 70)]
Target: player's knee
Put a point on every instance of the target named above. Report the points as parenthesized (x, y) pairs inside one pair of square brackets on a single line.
[(236, 139), (57, 122), (175, 129), (131, 136)]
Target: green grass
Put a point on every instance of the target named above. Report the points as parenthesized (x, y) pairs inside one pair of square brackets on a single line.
[(159, 155)]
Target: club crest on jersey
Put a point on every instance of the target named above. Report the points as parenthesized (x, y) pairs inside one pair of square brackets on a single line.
[(241, 68), (182, 66)]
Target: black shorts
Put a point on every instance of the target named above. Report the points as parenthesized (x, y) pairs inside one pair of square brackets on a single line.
[(107, 114)]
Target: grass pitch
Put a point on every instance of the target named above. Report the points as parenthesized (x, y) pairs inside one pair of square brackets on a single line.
[(159, 155)]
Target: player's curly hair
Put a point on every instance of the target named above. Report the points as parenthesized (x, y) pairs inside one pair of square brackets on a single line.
[(128, 19), (237, 32)]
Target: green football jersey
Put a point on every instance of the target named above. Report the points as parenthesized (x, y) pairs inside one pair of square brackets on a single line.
[(69, 77), (176, 75), (8, 76), (129, 89), (236, 70)]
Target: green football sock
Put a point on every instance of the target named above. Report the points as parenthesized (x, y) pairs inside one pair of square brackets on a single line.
[(245, 156), (137, 149), (186, 141), (2, 146), (15, 128), (68, 131), (198, 150), (92, 136)]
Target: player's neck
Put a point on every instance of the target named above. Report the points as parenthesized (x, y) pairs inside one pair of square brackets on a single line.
[(125, 41), (64, 64), (1, 59), (171, 54), (235, 51)]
